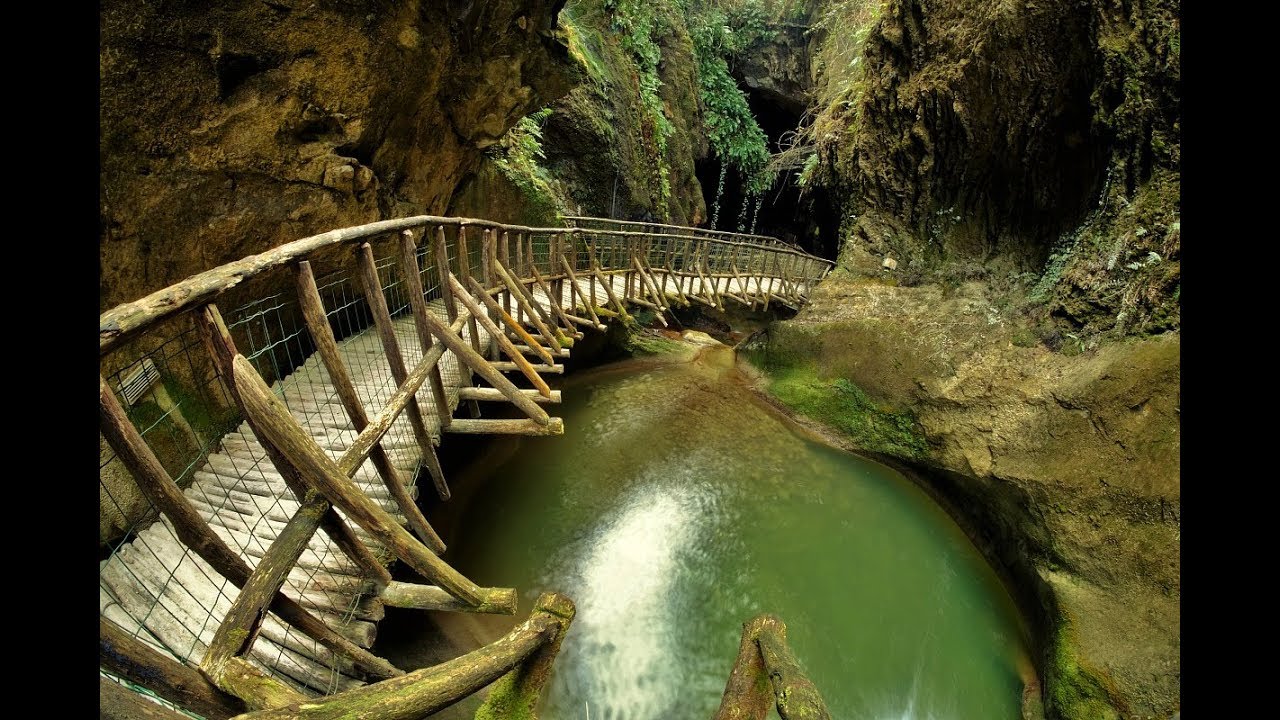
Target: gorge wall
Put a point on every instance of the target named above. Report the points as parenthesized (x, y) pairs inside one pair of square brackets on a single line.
[(229, 129)]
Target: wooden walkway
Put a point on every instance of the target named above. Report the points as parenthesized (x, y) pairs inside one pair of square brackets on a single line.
[(172, 599), (181, 600)]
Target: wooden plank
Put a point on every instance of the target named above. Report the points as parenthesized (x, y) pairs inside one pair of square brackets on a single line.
[(497, 601), (460, 293), (123, 655), (507, 427), (317, 322), (495, 395), (428, 690), (270, 414), (240, 626), (504, 366)]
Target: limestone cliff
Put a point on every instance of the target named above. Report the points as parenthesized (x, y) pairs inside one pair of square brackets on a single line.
[(232, 128)]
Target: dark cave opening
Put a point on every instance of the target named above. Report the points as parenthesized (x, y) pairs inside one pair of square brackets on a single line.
[(810, 220)]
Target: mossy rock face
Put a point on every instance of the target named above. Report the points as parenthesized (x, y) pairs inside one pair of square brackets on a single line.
[(1064, 467), (1070, 114), (842, 405)]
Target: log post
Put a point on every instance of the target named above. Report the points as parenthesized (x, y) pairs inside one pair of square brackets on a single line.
[(507, 346), (503, 259), (484, 368), (553, 301), (317, 322), (464, 272), (418, 306), (243, 621), (195, 533), (223, 350), (258, 689), (606, 284), (748, 694), (514, 288), (577, 290), (495, 309), (516, 694), (391, 347), (797, 697)]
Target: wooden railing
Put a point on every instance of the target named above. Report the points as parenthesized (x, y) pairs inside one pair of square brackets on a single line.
[(534, 286), (595, 223)]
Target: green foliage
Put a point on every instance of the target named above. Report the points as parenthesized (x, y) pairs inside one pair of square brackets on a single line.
[(806, 173), (518, 156), (639, 24), (735, 136)]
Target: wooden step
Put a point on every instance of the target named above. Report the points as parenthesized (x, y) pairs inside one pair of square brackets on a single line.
[(506, 427), (562, 352), (495, 395), (507, 366)]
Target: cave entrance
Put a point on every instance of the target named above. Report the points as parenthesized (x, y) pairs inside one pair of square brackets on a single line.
[(810, 221)]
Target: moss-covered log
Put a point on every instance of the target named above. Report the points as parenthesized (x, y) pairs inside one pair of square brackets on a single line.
[(426, 691)]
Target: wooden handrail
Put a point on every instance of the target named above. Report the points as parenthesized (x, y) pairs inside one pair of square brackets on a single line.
[(128, 319)]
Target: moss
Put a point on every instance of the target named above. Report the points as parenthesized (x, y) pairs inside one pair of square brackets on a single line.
[(642, 343), (844, 406), (506, 702), (1023, 337), (1074, 690)]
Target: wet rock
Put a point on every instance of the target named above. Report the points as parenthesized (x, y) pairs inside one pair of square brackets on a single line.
[(700, 338)]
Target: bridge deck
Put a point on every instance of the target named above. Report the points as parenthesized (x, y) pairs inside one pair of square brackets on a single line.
[(170, 598), (179, 601)]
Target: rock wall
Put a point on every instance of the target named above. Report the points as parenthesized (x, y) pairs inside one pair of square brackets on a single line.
[(229, 129), (1019, 163), (1065, 468)]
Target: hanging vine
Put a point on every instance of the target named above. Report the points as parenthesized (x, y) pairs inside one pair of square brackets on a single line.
[(715, 214), (742, 216)]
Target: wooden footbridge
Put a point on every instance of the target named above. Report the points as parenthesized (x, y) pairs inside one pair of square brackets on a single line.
[(258, 465)]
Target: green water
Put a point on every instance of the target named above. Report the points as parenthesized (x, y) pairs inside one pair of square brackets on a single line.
[(677, 505)]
